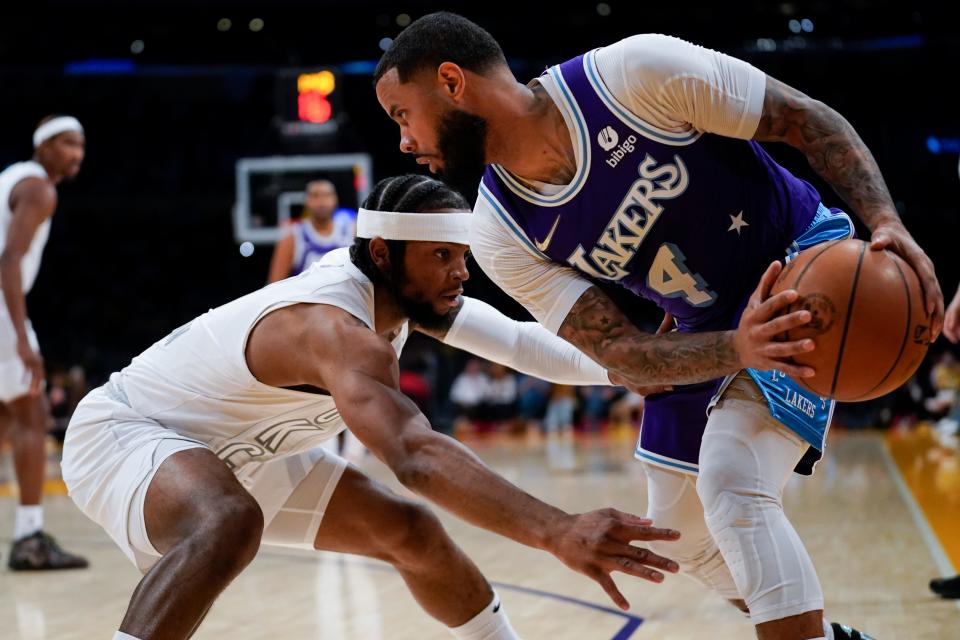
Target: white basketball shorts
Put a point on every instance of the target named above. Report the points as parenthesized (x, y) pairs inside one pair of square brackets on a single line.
[(111, 454), (14, 377)]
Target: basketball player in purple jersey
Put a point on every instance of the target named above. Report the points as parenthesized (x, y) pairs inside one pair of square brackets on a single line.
[(325, 227), (639, 163)]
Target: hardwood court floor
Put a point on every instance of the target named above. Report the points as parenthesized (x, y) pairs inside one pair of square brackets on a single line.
[(872, 557)]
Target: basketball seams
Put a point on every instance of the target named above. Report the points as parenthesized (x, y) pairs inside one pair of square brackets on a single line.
[(906, 333), (803, 272), (846, 320)]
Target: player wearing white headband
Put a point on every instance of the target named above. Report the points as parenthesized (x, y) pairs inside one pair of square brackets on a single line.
[(207, 445), (28, 198)]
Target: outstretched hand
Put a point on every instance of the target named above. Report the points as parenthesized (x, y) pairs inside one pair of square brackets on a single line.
[(597, 543)]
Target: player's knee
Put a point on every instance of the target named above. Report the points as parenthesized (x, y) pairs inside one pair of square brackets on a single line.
[(232, 531), (416, 536), (714, 480), (729, 466)]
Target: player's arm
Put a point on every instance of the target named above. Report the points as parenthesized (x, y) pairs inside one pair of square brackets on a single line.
[(527, 347), (840, 157), (680, 86), (597, 326), (282, 260), (32, 201), (363, 381), (565, 302)]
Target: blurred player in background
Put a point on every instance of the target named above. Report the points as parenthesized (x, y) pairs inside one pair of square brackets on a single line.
[(28, 199), (323, 228)]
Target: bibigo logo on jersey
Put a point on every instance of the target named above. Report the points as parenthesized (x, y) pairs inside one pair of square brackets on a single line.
[(608, 139)]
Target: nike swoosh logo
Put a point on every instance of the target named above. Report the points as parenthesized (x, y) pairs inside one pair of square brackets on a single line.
[(542, 246)]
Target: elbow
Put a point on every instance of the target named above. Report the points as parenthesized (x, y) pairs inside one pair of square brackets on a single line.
[(7, 259), (9, 265), (413, 472), (416, 466)]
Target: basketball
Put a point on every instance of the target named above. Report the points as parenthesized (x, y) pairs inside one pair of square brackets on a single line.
[(869, 321)]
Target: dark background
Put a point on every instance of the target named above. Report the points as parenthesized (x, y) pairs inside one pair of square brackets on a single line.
[(143, 240)]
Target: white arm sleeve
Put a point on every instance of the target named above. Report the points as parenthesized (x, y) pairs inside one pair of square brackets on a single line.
[(679, 86), (524, 346), (546, 289)]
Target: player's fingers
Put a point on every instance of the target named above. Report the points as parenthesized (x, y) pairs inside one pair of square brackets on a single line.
[(649, 391), (936, 324), (772, 305), (644, 532), (777, 350), (766, 281), (643, 556), (932, 296), (629, 566), (665, 325), (880, 240), (770, 277), (630, 519), (611, 589), (36, 381), (781, 324), (790, 368), (933, 299)]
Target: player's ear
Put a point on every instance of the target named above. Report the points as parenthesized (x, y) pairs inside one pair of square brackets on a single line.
[(451, 79), (380, 253)]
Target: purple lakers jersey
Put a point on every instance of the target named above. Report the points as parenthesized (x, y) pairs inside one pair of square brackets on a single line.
[(687, 220), (309, 246)]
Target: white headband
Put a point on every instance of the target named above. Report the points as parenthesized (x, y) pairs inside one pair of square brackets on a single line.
[(432, 227), (55, 127)]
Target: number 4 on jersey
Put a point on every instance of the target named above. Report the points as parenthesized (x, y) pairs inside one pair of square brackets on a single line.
[(670, 277)]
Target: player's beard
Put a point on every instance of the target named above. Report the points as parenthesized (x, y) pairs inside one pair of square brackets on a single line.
[(418, 311), (462, 145)]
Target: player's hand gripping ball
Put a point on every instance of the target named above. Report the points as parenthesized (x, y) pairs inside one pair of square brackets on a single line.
[(868, 319)]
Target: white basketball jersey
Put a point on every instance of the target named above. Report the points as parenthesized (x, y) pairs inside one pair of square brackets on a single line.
[(10, 178), (196, 380)]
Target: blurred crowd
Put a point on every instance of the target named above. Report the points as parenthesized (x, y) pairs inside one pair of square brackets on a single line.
[(486, 396)]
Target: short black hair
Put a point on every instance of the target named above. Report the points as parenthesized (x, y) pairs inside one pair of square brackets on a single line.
[(436, 38), (409, 193)]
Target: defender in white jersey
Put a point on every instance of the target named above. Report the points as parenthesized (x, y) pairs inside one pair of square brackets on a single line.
[(640, 162), (28, 198), (323, 227), (206, 445)]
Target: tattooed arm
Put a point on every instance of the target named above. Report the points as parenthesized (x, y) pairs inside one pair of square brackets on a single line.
[(840, 157), (564, 302), (596, 326), (601, 330)]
